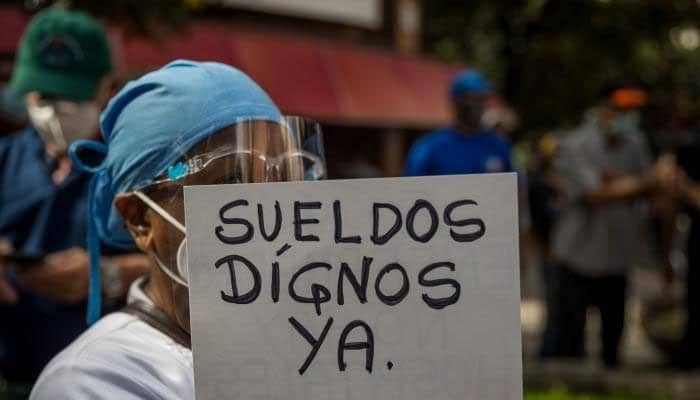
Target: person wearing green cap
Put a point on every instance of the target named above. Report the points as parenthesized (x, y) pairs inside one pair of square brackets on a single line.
[(62, 71)]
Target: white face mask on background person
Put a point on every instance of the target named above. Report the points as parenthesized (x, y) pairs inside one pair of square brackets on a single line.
[(61, 122)]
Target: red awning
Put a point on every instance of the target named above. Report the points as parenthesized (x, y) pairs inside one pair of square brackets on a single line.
[(329, 81), (12, 22)]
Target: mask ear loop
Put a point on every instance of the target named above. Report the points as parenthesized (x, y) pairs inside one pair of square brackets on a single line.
[(57, 131), (170, 273), (55, 128), (165, 215)]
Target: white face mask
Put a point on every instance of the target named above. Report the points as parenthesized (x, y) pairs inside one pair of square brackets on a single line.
[(625, 124), (61, 123), (181, 260)]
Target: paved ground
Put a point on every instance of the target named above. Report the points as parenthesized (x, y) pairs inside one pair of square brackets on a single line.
[(644, 369)]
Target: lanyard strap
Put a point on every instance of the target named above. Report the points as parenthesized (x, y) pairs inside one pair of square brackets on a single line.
[(159, 320)]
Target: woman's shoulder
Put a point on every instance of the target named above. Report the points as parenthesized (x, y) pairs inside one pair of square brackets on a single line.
[(119, 357)]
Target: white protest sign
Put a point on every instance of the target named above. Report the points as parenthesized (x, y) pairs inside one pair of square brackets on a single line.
[(402, 288)]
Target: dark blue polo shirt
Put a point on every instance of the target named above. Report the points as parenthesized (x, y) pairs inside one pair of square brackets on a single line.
[(449, 152), (37, 215)]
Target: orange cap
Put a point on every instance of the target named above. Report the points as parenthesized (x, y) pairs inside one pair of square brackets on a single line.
[(628, 98)]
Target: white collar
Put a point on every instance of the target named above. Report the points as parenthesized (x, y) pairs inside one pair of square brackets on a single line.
[(136, 292)]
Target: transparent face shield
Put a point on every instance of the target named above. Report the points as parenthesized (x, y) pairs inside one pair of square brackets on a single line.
[(248, 151)]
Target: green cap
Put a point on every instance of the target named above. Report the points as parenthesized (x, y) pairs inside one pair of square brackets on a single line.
[(62, 53)]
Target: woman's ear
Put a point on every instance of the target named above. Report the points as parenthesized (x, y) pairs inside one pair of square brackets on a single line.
[(135, 215)]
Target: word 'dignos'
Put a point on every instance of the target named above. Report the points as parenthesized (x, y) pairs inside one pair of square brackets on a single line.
[(319, 294), (364, 274)]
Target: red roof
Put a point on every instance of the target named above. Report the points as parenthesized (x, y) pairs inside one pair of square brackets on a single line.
[(329, 81), (325, 80), (12, 22)]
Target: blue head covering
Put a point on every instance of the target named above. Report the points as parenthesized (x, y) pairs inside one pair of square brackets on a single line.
[(470, 82), (147, 127)]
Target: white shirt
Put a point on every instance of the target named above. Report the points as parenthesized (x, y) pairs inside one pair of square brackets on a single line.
[(120, 357)]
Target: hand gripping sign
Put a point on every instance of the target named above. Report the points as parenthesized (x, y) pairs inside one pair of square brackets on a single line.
[(401, 288)]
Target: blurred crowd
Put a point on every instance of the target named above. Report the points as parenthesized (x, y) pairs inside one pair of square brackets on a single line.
[(598, 199), (602, 203)]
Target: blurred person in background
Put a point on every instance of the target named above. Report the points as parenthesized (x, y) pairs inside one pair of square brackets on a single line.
[(62, 70), (688, 159), (467, 147), (188, 123), (13, 113), (606, 174), (543, 195), (477, 143)]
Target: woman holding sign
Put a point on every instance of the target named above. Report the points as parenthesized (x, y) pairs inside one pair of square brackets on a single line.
[(188, 123)]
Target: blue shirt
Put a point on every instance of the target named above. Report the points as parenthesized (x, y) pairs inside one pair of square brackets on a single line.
[(448, 152), (37, 215)]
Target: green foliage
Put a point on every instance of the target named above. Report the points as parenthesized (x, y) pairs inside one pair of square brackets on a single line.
[(551, 57), (561, 394)]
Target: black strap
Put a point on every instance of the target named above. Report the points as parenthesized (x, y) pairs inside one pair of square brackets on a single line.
[(156, 318)]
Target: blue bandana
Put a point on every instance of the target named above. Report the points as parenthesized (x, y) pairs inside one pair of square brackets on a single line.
[(147, 127)]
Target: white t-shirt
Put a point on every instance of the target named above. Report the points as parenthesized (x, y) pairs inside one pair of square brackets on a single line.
[(120, 357)]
